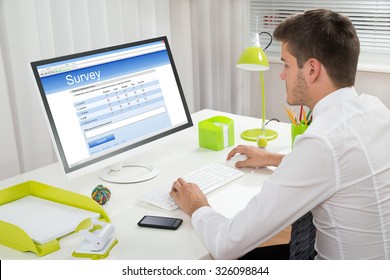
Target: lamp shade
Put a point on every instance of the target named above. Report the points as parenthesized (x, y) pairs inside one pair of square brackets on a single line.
[(253, 58)]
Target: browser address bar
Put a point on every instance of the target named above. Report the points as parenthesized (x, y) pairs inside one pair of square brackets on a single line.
[(113, 57), (100, 60)]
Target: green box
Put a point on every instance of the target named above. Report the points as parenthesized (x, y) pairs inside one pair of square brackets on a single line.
[(216, 133)]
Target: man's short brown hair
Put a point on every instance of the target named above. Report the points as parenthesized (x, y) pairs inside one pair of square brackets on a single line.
[(327, 36)]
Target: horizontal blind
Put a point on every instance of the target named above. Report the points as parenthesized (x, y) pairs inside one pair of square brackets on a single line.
[(370, 18)]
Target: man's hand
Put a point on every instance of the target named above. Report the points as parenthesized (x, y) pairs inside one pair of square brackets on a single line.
[(188, 196), (256, 157)]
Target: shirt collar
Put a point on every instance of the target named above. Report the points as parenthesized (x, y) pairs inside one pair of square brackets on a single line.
[(332, 98)]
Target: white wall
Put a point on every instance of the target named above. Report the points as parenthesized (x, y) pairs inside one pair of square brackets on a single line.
[(372, 83)]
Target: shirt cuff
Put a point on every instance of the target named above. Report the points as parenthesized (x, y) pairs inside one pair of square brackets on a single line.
[(200, 212)]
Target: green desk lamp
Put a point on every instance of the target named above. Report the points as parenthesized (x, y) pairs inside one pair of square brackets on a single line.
[(254, 59)]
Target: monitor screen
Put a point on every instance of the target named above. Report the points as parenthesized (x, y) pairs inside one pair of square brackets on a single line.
[(101, 104)]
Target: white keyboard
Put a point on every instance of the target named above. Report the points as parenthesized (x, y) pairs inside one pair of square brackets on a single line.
[(208, 178)]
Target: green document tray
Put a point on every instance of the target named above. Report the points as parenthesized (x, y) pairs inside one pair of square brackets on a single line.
[(14, 237)]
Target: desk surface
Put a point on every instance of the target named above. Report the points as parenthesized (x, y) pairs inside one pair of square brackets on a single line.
[(177, 155)]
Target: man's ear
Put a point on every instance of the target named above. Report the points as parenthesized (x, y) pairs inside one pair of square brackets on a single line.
[(314, 69)]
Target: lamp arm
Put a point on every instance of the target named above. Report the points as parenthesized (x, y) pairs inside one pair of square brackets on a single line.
[(270, 36), (262, 101)]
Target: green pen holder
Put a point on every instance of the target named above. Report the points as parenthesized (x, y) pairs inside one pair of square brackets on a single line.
[(216, 133), (297, 130)]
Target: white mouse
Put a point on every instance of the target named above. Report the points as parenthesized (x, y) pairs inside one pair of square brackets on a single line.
[(236, 158)]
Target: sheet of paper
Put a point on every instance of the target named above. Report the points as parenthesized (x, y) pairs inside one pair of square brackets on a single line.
[(43, 220)]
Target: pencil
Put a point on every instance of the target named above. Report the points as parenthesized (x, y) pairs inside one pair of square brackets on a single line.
[(297, 122), (290, 116), (308, 114), (300, 113)]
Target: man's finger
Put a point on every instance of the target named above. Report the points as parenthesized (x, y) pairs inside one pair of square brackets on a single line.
[(181, 181)]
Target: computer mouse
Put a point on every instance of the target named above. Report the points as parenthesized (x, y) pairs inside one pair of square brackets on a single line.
[(236, 158)]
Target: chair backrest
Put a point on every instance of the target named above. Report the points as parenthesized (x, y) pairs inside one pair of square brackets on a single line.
[(303, 235)]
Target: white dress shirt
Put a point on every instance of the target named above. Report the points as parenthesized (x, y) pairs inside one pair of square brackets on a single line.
[(339, 168)]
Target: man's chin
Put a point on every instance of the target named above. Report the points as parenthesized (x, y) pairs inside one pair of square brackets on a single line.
[(290, 103)]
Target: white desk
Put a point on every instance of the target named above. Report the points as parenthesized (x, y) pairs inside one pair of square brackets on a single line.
[(177, 155)]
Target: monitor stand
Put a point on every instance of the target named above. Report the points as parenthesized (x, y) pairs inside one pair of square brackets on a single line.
[(128, 172)]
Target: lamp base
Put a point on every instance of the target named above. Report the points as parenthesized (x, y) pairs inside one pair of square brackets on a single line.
[(252, 134)]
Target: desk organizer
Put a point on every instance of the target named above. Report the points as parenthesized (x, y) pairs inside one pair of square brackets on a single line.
[(14, 237), (216, 133), (297, 130)]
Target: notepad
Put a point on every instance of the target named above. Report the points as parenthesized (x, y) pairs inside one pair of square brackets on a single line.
[(43, 220)]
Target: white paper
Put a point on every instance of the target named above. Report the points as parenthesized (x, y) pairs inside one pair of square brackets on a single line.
[(43, 220)]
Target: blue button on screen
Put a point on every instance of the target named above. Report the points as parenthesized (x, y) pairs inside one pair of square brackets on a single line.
[(102, 140)]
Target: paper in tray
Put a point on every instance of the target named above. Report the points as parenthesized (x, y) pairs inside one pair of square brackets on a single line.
[(33, 216)]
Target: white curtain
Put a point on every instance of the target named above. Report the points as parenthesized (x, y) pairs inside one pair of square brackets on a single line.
[(218, 39), (206, 37)]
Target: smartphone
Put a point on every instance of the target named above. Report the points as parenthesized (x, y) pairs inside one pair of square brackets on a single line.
[(160, 222)]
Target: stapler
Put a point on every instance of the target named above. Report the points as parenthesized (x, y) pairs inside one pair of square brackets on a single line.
[(99, 239)]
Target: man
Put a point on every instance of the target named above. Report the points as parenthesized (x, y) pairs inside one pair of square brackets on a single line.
[(339, 168)]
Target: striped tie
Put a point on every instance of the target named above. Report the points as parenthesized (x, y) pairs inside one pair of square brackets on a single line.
[(303, 235)]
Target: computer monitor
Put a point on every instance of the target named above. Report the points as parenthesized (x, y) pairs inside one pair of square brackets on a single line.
[(105, 105)]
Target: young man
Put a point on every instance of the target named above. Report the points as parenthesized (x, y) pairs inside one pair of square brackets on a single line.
[(339, 168)]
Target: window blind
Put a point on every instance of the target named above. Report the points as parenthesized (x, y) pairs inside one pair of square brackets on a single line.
[(370, 18)]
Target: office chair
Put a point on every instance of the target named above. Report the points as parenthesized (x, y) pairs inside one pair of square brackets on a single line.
[(300, 247)]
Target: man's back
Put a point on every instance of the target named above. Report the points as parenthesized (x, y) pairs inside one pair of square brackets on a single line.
[(354, 222)]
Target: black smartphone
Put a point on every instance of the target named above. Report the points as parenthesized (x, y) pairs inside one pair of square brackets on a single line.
[(160, 222)]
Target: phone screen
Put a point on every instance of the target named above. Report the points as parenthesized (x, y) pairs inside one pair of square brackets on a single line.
[(160, 222)]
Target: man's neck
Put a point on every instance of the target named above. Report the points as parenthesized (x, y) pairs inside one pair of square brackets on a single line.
[(321, 91)]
